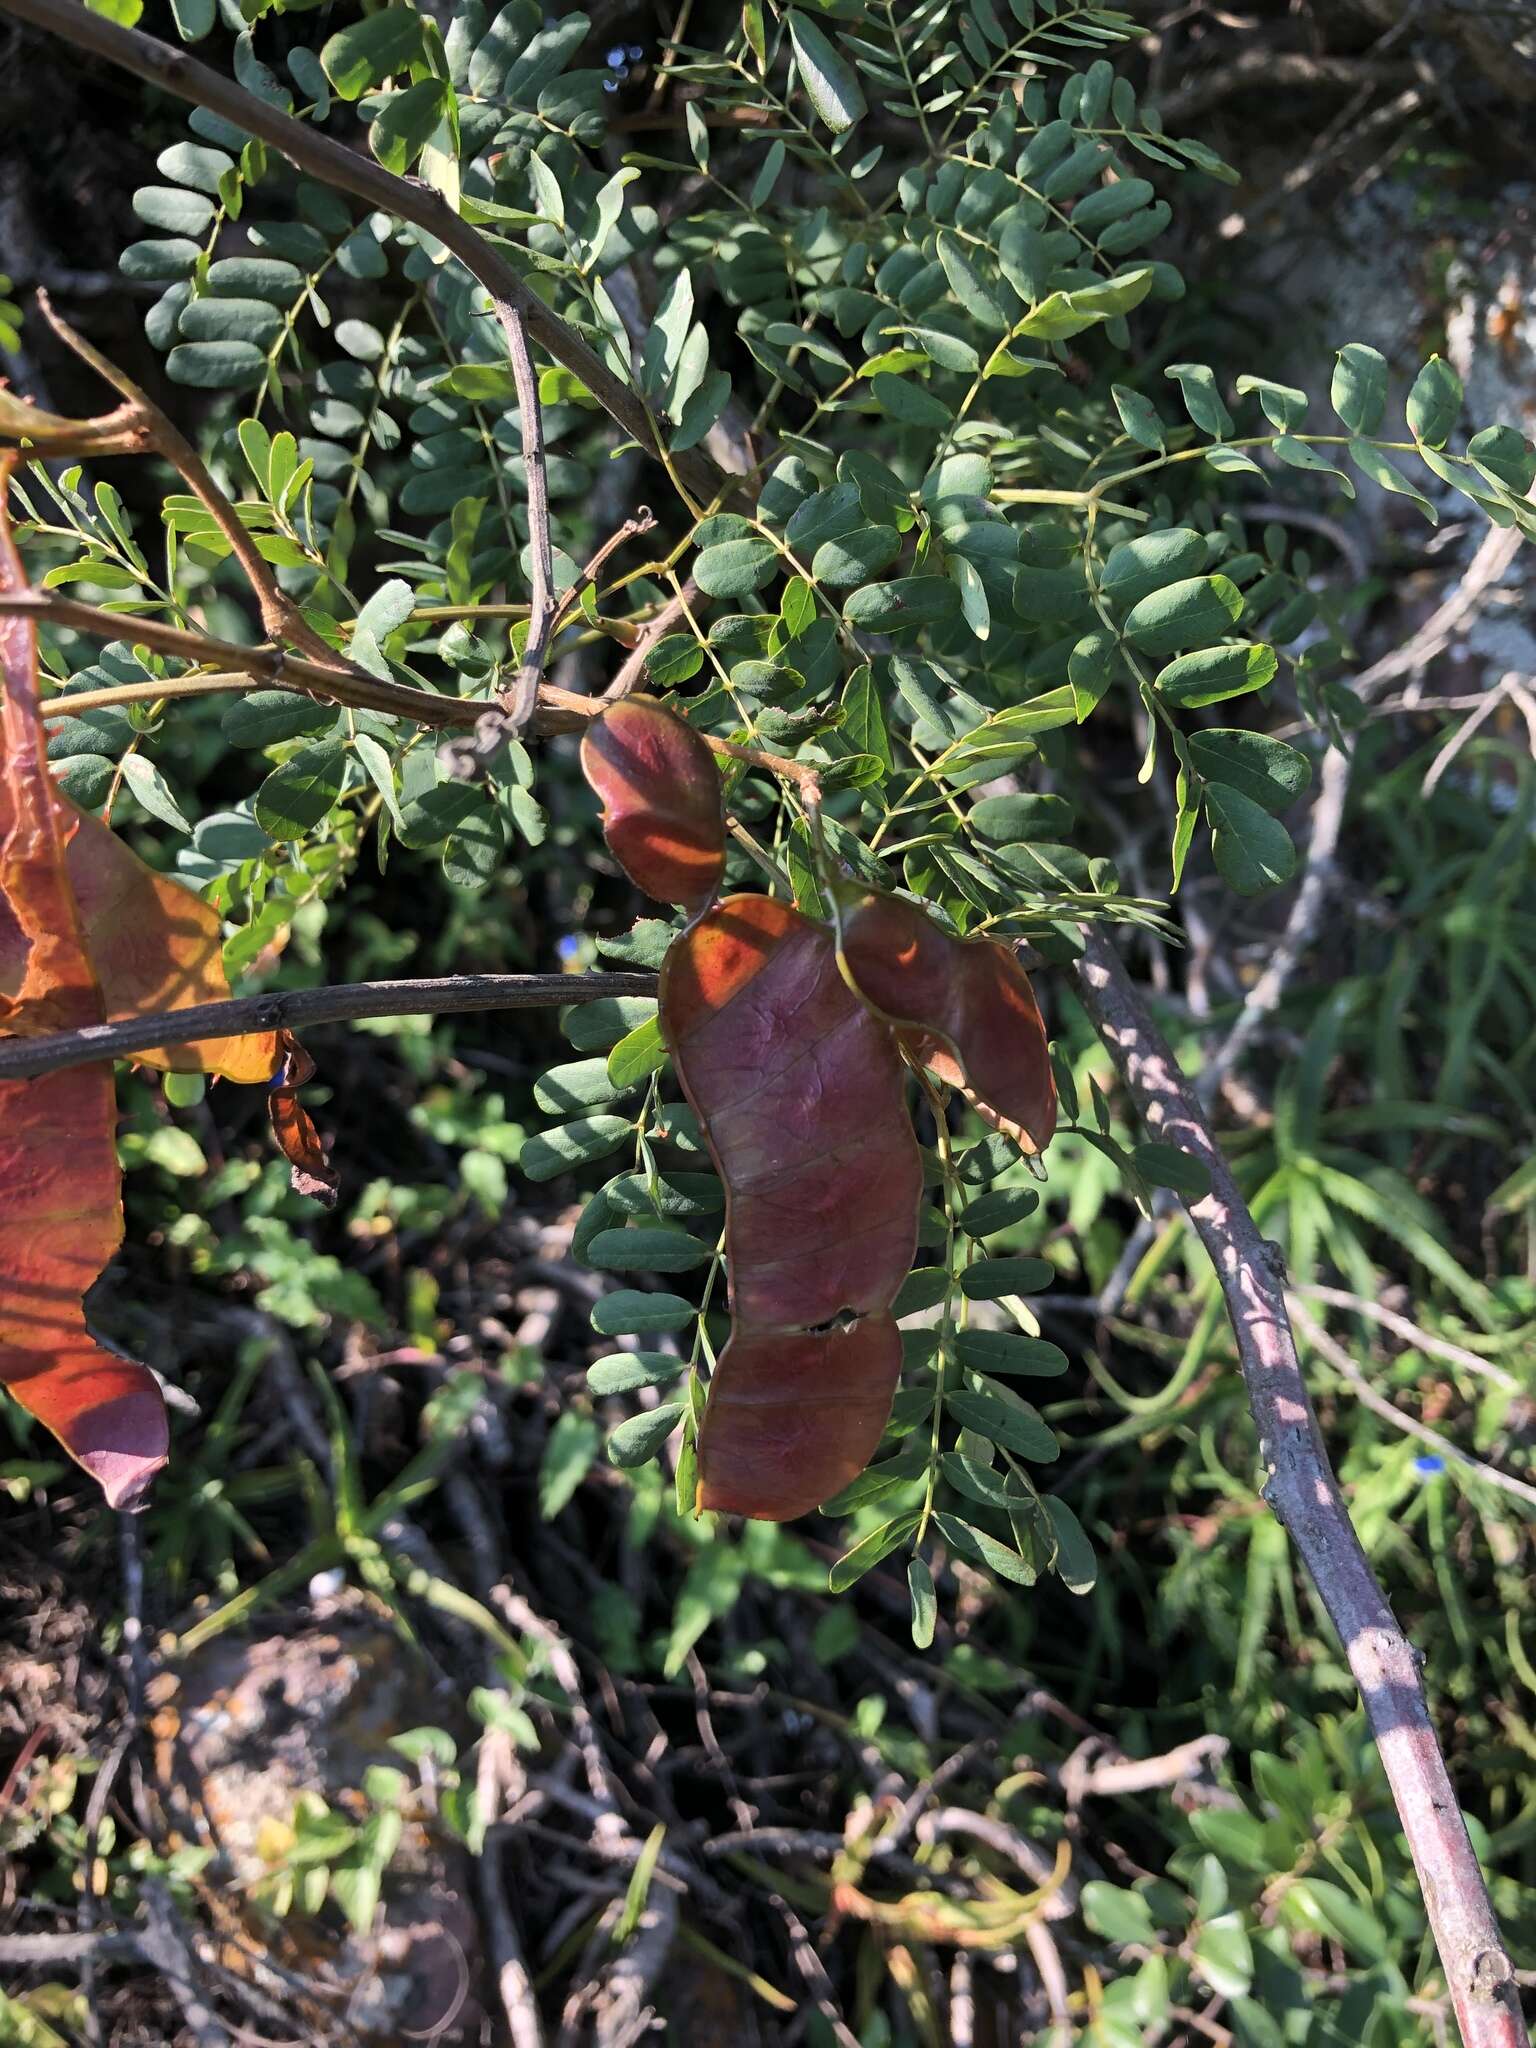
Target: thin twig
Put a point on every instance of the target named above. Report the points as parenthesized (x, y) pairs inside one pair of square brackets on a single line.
[(513, 1982), (164, 1944), (294, 1009), (1411, 1334), (1302, 1491), (518, 703), (1410, 1425), (280, 616), (641, 520), (1117, 1776), (631, 673)]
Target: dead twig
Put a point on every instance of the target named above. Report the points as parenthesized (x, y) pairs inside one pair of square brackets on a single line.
[(1304, 1495), (1346, 1368), (1116, 1776), (163, 1943), (1411, 1334), (513, 1983)]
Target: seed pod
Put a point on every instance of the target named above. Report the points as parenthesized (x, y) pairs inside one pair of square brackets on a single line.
[(797, 1087), (965, 1008), (663, 816)]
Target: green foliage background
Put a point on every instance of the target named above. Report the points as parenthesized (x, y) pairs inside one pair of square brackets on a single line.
[(988, 566)]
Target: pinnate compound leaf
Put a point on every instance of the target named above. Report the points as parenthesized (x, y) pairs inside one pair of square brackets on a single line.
[(968, 1004), (798, 1090), (663, 816)]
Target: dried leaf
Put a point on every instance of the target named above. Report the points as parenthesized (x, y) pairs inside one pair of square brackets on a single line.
[(967, 1004), (61, 1215), (798, 1090), (294, 1127), (152, 943), (662, 811)]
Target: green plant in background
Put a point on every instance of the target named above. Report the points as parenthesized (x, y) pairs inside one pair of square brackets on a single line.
[(950, 524)]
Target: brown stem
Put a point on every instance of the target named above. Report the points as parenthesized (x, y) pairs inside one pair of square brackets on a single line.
[(641, 521), (263, 664), (280, 616), (632, 670), (296, 1009), (198, 684), (322, 157), (1302, 1491)]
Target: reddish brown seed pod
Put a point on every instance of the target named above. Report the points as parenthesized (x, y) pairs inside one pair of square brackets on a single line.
[(798, 1090), (965, 1008), (663, 815)]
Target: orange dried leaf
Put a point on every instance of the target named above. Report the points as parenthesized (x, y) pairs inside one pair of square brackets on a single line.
[(61, 1220), (965, 1006), (663, 816), (294, 1127), (153, 944), (798, 1091), (61, 1215)]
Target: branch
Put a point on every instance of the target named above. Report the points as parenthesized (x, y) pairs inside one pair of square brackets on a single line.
[(294, 1009), (322, 157), (632, 671), (269, 665), (1305, 1497)]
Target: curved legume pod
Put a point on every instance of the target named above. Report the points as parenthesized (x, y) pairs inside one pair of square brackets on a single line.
[(967, 1005), (663, 815), (798, 1090)]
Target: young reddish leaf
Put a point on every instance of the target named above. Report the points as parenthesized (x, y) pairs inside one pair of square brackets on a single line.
[(61, 1216), (663, 816), (967, 1004), (798, 1091), (152, 944), (294, 1127)]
